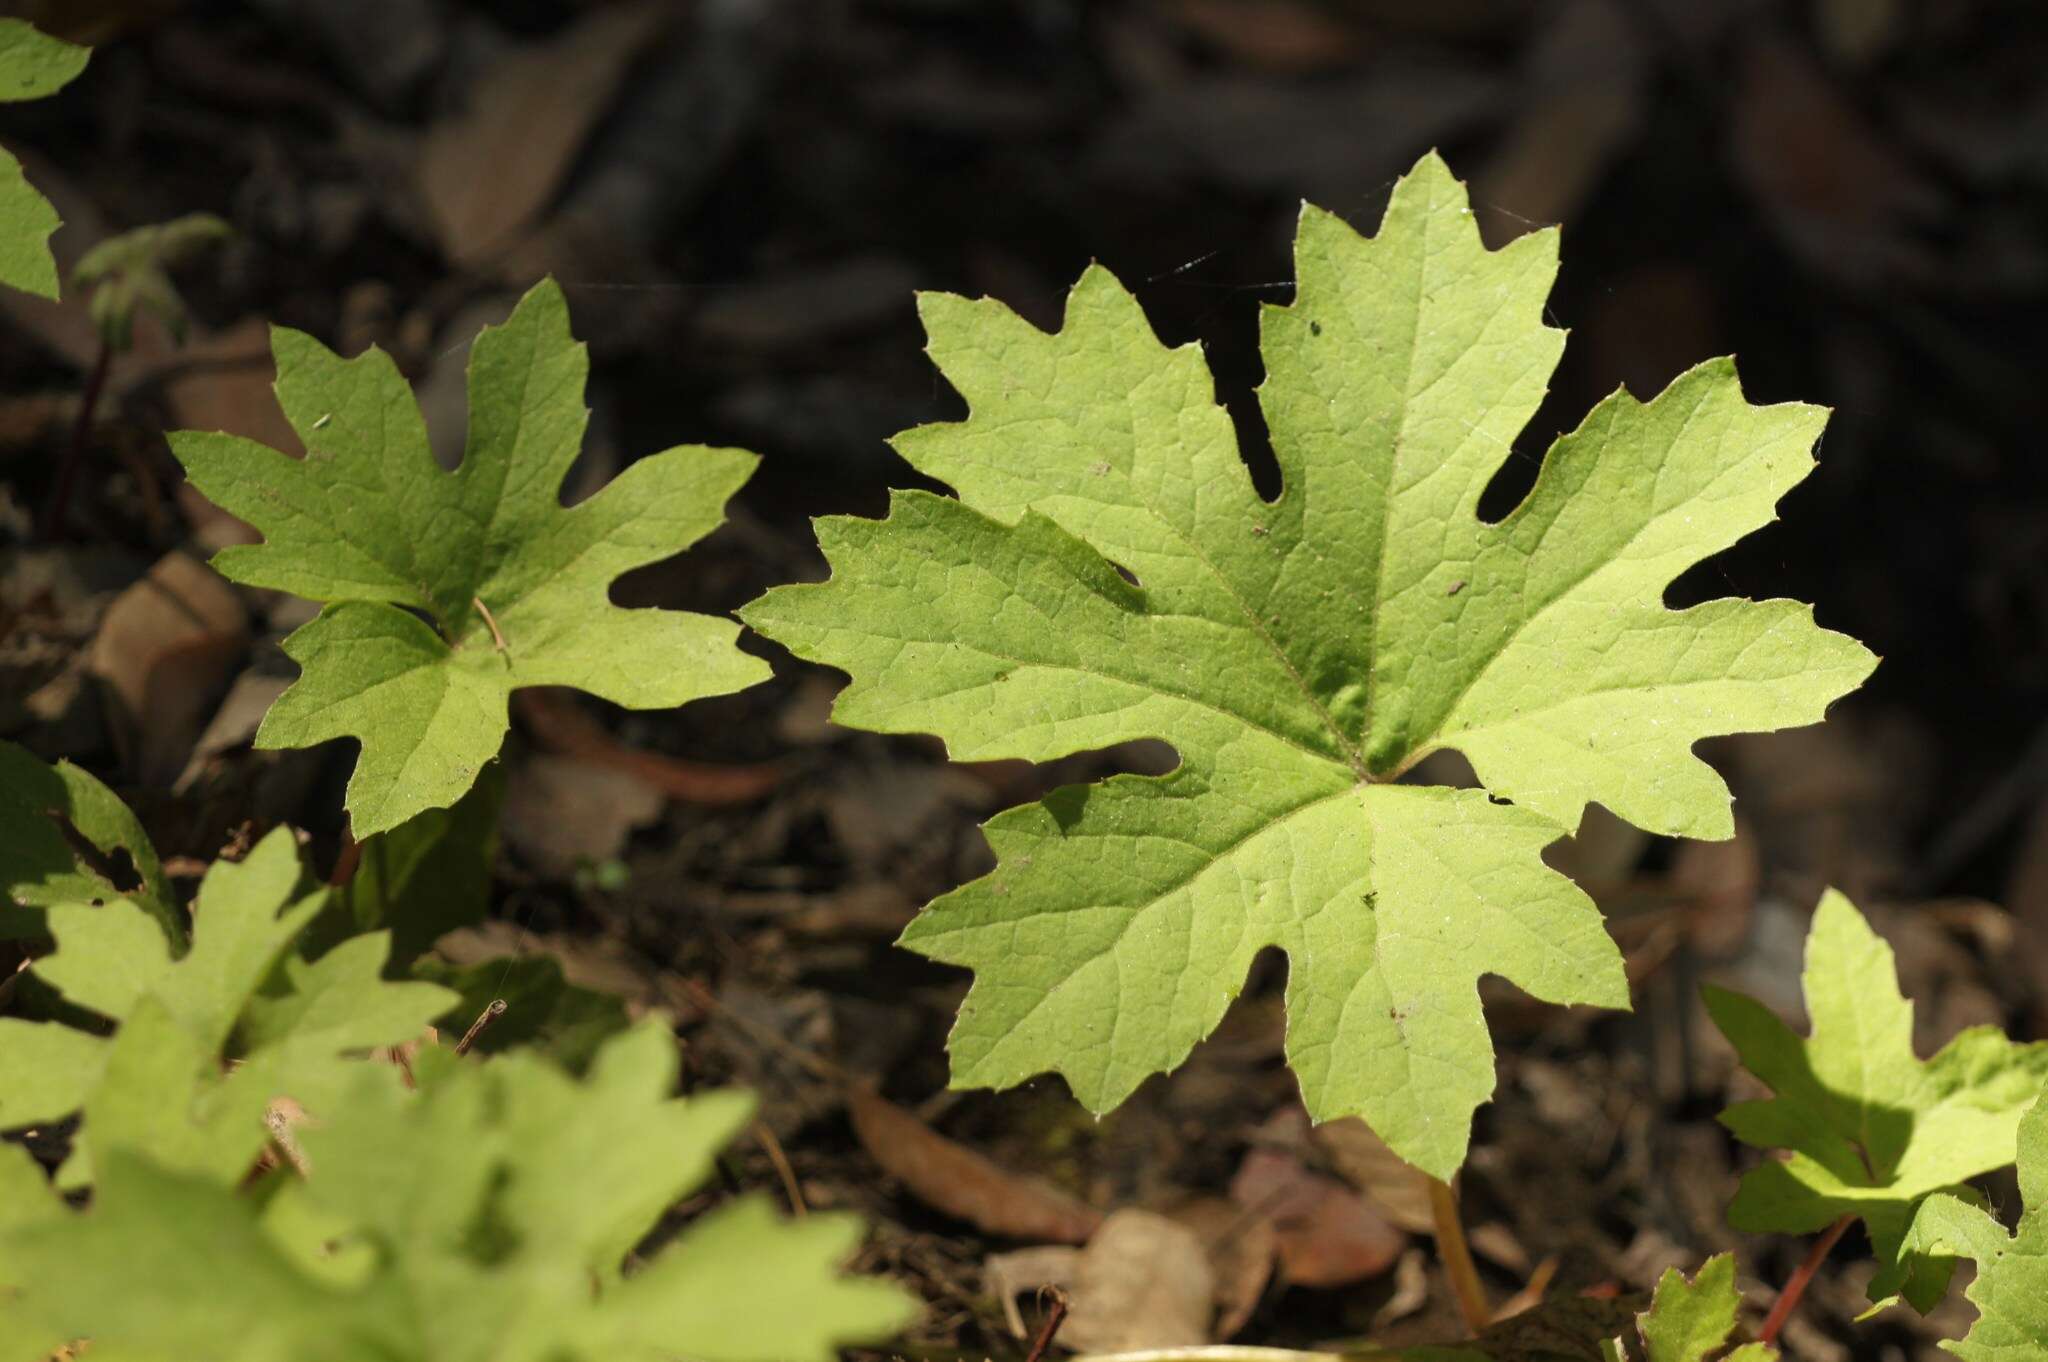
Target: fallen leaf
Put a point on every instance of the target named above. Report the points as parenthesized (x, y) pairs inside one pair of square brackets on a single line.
[(1025, 1272), (1398, 1190), (165, 650), (556, 722), (1275, 35), (1143, 1281), (564, 812), (487, 173), (1242, 1246), (1328, 1235), (953, 1178), (233, 724)]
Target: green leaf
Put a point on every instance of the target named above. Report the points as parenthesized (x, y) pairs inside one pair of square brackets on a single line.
[(423, 878), (42, 808), (489, 1216), (132, 270), (2011, 1288), (1871, 1128), (446, 591), (1303, 654), (27, 1202), (33, 65), (543, 1010), (1692, 1321), (156, 1085)]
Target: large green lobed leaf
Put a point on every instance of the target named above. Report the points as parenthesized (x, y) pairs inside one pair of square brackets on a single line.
[(1871, 1128), (1302, 654), (446, 591)]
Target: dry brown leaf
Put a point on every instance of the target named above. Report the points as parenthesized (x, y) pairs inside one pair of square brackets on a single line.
[(1395, 1188), (563, 812), (1241, 1246), (1025, 1272), (488, 173), (165, 650), (558, 723), (953, 1178), (1328, 1234), (1275, 35), (1143, 1281)]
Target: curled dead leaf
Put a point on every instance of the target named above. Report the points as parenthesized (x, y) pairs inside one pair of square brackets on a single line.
[(952, 1178)]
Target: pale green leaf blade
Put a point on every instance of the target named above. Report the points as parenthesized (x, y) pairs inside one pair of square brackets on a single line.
[(1692, 1321), (444, 1225), (2011, 1286), (427, 716), (46, 1071), (170, 1266), (743, 1285), (106, 957), (1301, 654), (246, 917), (342, 1002), (1871, 1128), (511, 586), (27, 1204)]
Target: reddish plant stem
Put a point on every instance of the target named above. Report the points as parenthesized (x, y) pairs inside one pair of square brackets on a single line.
[(1055, 1315), (1456, 1256), (1795, 1286), (59, 504)]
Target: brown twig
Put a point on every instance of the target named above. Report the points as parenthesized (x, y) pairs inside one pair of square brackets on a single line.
[(480, 1025), (1055, 1315), (1795, 1286), (772, 1147), (1456, 1256), (59, 504)]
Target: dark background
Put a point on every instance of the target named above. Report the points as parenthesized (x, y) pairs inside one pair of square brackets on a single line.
[(740, 197)]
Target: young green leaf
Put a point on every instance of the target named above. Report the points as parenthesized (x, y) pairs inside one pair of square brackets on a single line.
[(543, 1010), (446, 591), (33, 65), (487, 1216), (1692, 1321), (180, 1015), (48, 815), (1870, 1126), (1302, 654), (420, 880), (2011, 1289), (132, 271)]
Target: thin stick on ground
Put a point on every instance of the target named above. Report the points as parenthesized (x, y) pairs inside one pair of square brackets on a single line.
[(1456, 1256), (1795, 1286), (772, 1147)]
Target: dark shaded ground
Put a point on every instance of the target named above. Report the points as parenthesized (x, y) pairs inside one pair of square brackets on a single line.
[(741, 196)]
